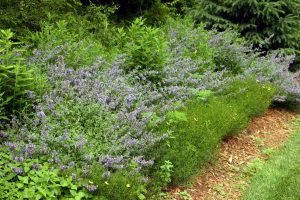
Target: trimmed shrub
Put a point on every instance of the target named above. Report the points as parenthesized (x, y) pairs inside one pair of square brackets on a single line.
[(196, 130)]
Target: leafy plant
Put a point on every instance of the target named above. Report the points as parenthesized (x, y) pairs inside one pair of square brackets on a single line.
[(184, 195), (146, 48), (165, 173), (205, 95), (254, 166), (31, 179), (25, 16), (79, 48), (2, 109), (15, 77)]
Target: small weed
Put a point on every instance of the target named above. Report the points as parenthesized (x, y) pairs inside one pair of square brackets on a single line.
[(240, 186), (161, 196), (268, 132), (254, 166), (268, 151), (184, 195), (220, 189), (259, 141), (235, 168)]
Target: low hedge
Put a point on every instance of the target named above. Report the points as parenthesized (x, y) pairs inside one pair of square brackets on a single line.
[(197, 129)]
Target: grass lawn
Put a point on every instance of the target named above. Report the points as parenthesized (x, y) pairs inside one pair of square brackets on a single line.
[(280, 177)]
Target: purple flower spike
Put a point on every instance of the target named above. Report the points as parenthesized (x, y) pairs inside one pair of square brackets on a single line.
[(91, 188), (63, 167), (18, 171)]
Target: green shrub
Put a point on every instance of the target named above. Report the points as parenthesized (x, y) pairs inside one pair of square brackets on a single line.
[(249, 97), (78, 48), (159, 13), (15, 78), (123, 185), (214, 50), (153, 10), (24, 16), (231, 52), (31, 180), (189, 40), (146, 48), (196, 130)]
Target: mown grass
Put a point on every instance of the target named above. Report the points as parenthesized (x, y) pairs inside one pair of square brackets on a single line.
[(280, 177)]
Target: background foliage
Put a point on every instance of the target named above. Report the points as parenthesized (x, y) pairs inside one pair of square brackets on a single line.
[(266, 24)]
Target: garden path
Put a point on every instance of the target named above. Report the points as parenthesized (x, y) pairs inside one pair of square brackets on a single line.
[(240, 156)]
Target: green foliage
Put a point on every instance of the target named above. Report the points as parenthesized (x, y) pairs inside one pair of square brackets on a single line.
[(159, 13), (205, 95), (15, 78), (176, 116), (197, 129), (121, 184), (185, 195), (24, 16), (35, 182), (79, 118), (249, 96), (79, 49), (165, 174), (146, 48), (81, 35), (133, 8), (2, 107), (268, 24), (231, 52), (190, 40), (254, 166), (214, 50)]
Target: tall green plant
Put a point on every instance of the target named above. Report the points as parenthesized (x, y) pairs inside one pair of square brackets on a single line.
[(15, 77), (146, 47)]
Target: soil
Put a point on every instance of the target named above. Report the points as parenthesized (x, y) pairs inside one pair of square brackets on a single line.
[(240, 156)]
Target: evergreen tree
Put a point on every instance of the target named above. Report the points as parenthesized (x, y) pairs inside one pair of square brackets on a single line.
[(270, 24)]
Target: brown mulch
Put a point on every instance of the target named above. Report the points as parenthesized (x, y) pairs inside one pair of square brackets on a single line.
[(227, 178)]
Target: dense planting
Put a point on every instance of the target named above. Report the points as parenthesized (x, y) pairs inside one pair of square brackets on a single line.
[(123, 112)]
